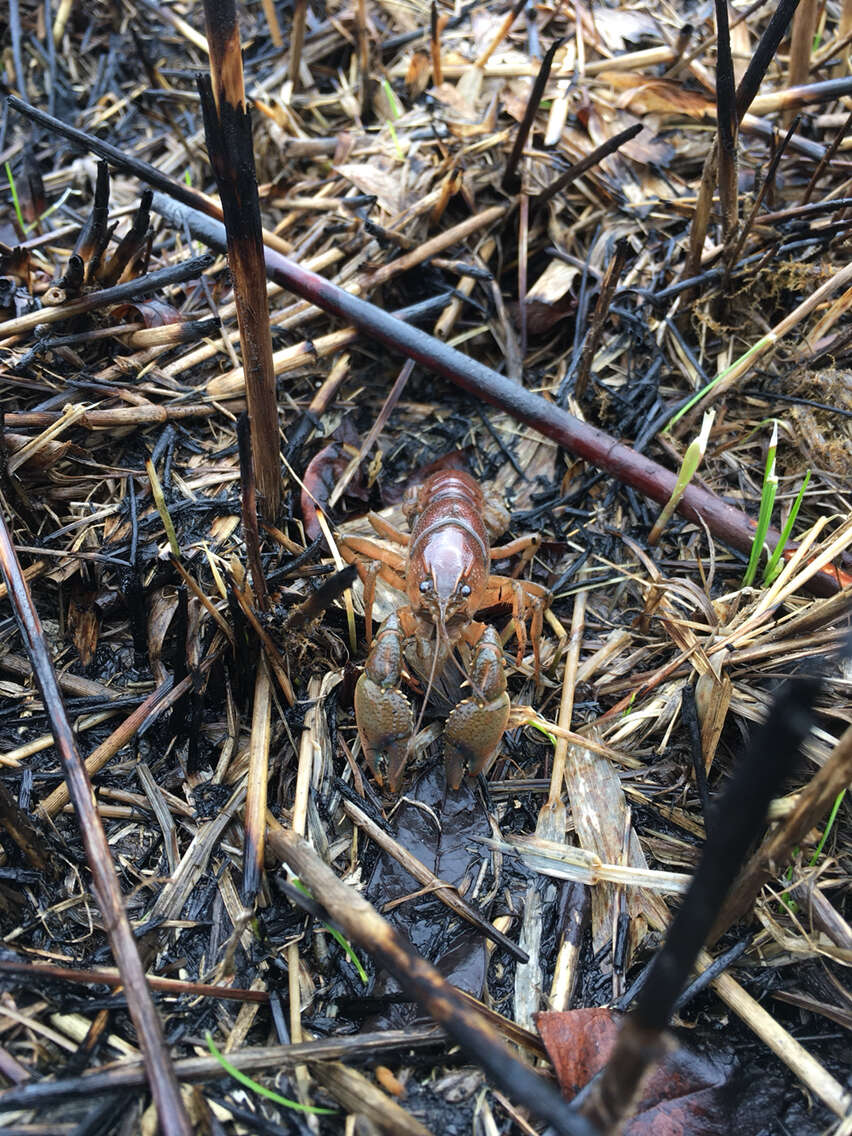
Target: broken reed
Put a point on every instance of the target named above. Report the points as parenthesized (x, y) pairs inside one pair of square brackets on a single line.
[(763, 55), (227, 128)]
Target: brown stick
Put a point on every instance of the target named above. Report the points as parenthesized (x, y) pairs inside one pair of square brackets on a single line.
[(608, 285), (130, 1074), (164, 1087), (597, 155), (297, 41), (156, 702), (109, 976), (227, 126)]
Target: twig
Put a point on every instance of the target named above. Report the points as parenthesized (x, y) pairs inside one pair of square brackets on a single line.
[(607, 289), (510, 181), (255, 810), (164, 1088), (248, 512), (592, 159), (118, 293), (155, 703)]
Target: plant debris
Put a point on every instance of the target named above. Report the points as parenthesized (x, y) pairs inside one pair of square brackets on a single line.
[(575, 252)]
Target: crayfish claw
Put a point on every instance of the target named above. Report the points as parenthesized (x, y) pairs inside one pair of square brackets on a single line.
[(383, 713), (476, 726)]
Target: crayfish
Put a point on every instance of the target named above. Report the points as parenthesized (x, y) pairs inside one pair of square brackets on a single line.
[(446, 577)]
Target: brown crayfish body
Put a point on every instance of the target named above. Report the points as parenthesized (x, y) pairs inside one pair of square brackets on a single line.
[(446, 577)]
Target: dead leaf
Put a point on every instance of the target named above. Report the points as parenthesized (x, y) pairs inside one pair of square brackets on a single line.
[(385, 185), (649, 96), (688, 1094)]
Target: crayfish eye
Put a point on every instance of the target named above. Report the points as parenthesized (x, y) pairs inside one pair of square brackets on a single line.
[(425, 586)]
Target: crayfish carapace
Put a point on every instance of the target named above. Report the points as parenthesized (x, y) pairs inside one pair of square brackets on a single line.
[(446, 576)]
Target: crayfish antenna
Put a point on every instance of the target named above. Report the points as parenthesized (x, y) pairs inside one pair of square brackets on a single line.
[(439, 627)]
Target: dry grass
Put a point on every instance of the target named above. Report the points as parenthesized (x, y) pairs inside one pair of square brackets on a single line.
[(393, 188)]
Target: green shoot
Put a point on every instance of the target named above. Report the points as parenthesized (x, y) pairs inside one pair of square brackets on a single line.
[(786, 900), (767, 501), (737, 364), (536, 725), (187, 176), (11, 179), (773, 568), (353, 958), (395, 112), (835, 809), (262, 1090), (393, 104), (162, 508), (691, 461)]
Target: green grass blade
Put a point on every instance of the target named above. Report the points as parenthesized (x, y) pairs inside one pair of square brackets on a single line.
[(767, 503), (691, 461), (162, 508), (262, 1090), (773, 568), (11, 179), (697, 397), (835, 809), (335, 934)]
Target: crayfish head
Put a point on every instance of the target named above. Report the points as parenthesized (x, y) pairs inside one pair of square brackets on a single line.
[(445, 604)]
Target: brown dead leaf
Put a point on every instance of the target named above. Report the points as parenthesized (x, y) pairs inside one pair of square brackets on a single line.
[(385, 185), (660, 96), (151, 313), (686, 1095)]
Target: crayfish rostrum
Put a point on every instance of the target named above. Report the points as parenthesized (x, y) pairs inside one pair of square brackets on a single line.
[(446, 577)]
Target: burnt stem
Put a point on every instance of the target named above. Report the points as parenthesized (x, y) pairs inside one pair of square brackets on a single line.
[(726, 117), (763, 55), (248, 508), (764, 188), (511, 182), (227, 127), (435, 45), (95, 233), (130, 245), (607, 290), (770, 757), (597, 155)]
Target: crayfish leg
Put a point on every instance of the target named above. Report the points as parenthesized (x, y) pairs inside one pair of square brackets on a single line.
[(382, 711), (476, 726)]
